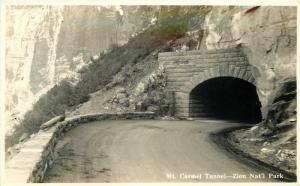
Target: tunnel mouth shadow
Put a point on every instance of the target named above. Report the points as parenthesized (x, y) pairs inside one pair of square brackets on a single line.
[(225, 98)]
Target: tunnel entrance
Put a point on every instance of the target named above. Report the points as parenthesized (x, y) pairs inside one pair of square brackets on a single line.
[(225, 98)]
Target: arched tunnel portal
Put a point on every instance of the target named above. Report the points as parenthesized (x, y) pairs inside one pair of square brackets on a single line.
[(213, 84), (226, 98)]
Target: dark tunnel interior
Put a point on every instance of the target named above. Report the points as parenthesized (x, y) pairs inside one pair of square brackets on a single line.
[(225, 98)]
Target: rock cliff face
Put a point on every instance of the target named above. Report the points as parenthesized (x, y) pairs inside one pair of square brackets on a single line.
[(45, 44), (268, 36), (31, 38)]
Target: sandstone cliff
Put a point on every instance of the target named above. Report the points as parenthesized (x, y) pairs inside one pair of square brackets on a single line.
[(268, 36), (45, 44)]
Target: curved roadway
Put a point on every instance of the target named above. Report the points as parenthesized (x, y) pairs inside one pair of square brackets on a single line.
[(147, 151)]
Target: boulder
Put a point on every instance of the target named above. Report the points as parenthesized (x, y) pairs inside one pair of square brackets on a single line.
[(140, 106), (156, 95), (95, 58), (121, 90), (293, 119), (114, 99), (267, 151), (153, 108), (284, 103), (121, 95), (124, 102), (286, 91)]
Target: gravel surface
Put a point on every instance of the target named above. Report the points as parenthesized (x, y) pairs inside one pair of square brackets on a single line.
[(148, 151)]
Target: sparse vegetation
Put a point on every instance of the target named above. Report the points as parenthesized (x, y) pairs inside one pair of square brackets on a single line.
[(172, 24), (65, 95)]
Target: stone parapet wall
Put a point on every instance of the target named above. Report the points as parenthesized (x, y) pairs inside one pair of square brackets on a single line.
[(38, 153)]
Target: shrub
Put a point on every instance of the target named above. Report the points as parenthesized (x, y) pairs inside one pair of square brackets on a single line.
[(172, 25)]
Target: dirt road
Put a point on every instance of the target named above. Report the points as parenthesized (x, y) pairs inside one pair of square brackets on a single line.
[(147, 151)]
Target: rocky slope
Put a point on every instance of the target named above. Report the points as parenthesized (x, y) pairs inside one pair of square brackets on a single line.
[(274, 141), (45, 44), (140, 87)]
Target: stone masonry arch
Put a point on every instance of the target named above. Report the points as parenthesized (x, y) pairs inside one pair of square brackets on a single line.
[(186, 70), (219, 71)]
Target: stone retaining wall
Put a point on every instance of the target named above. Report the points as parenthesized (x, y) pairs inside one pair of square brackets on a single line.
[(37, 154)]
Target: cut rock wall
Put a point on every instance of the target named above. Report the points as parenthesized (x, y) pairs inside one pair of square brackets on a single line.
[(268, 37)]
